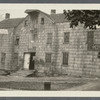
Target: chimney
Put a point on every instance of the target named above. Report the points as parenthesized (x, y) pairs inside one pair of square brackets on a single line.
[(7, 16), (53, 11)]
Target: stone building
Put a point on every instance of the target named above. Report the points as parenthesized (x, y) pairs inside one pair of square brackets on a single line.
[(48, 41)]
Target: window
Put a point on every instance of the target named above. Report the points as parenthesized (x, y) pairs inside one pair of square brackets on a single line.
[(15, 59), (3, 57), (66, 37), (34, 37), (99, 54), (90, 39), (42, 20), (17, 40), (26, 23), (49, 38), (34, 34), (48, 58), (65, 58)]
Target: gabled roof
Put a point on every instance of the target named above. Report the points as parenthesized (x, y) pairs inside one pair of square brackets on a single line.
[(58, 18), (10, 23), (36, 10)]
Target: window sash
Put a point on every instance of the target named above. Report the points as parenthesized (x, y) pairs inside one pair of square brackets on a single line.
[(42, 20), (90, 39), (17, 40), (66, 37), (65, 58)]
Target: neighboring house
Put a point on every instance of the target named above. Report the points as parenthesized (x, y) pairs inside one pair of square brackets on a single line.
[(7, 33), (72, 51)]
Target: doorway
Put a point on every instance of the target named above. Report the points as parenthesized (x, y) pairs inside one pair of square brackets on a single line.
[(29, 62)]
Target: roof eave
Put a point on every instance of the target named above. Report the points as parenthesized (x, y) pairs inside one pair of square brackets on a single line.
[(30, 11)]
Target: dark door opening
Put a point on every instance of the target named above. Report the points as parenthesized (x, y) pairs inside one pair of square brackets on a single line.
[(32, 62)]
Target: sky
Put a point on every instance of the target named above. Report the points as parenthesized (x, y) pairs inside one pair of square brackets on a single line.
[(18, 10)]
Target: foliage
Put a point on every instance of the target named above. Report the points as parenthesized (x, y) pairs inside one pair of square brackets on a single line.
[(90, 18)]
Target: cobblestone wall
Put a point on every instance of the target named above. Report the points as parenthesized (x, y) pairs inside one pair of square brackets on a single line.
[(27, 44), (81, 61), (6, 47)]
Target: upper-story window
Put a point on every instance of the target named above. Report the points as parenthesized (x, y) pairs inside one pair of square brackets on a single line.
[(66, 37), (48, 57), (49, 38), (34, 34), (17, 40), (90, 39), (42, 21), (35, 37), (26, 23)]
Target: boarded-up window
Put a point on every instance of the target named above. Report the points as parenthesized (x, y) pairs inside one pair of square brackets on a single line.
[(66, 37), (3, 57), (49, 38), (17, 40), (48, 57), (65, 58), (90, 39), (42, 20)]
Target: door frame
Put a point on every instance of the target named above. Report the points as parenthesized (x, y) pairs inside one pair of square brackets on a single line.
[(30, 59)]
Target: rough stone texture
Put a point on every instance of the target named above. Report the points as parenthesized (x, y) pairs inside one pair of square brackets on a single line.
[(27, 44), (6, 47), (81, 61)]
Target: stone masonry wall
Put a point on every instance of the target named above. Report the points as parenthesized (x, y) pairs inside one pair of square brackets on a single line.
[(6, 47), (81, 61), (27, 44)]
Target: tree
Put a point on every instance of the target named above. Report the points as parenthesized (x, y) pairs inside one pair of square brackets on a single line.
[(90, 18)]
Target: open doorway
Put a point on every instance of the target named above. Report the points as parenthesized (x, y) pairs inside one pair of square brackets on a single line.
[(29, 62)]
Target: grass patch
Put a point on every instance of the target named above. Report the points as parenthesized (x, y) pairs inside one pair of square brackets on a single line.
[(37, 85)]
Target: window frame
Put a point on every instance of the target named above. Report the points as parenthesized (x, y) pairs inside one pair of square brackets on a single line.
[(68, 36), (46, 57), (3, 58), (49, 38), (26, 23), (63, 58), (14, 57), (42, 21), (90, 40), (17, 40)]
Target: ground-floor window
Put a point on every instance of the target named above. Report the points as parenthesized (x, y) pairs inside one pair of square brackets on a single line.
[(15, 59), (65, 58), (48, 57), (3, 57)]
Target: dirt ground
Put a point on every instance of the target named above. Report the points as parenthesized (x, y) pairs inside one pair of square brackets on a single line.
[(57, 83)]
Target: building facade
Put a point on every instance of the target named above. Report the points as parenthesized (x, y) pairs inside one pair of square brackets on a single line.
[(47, 43)]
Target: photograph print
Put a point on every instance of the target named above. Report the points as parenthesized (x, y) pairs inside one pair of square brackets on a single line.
[(49, 48)]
